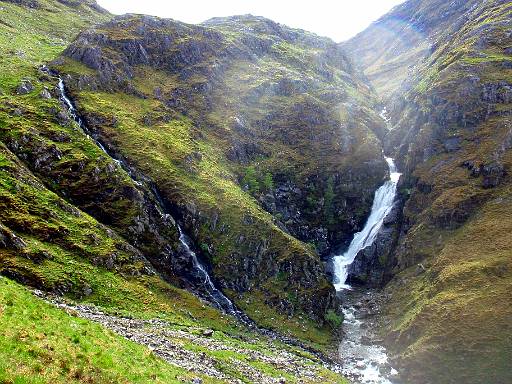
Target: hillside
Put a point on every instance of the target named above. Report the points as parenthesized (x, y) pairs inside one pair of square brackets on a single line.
[(171, 194), (254, 145), (444, 71), (249, 131), (76, 223)]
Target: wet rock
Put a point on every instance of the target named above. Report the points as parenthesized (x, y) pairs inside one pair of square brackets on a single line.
[(420, 269), (208, 333), (9, 240)]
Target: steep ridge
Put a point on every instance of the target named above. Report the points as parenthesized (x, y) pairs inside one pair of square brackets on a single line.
[(259, 137), (449, 304), (390, 50)]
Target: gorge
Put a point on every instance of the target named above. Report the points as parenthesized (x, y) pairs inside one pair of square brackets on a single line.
[(219, 202)]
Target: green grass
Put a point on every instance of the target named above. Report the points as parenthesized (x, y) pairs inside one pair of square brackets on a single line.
[(188, 157), (68, 251), (41, 344)]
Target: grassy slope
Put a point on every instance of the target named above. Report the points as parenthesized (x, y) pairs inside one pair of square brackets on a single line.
[(39, 124), (452, 323), (41, 344), (65, 249)]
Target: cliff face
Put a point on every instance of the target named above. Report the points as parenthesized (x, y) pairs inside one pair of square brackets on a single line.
[(449, 306), (260, 139)]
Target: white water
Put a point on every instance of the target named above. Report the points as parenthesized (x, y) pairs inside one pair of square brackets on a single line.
[(382, 204), (384, 114), (214, 294), (364, 362)]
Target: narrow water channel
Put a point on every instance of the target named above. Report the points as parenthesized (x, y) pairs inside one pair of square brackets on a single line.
[(364, 361)]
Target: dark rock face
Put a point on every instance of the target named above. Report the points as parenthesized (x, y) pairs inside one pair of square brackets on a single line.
[(25, 3), (373, 266), (25, 87), (9, 240), (97, 185)]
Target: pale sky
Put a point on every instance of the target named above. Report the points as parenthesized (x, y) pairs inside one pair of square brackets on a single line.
[(337, 19)]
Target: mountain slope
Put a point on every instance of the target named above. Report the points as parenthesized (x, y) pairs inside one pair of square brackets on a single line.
[(391, 48), (250, 131), (75, 223), (452, 137)]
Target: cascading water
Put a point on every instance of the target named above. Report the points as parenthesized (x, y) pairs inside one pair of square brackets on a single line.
[(213, 294), (382, 204), (363, 362)]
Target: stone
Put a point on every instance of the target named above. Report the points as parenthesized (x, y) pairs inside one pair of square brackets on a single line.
[(420, 269), (45, 94), (208, 333), (452, 144), (9, 240), (87, 290), (25, 88), (493, 174)]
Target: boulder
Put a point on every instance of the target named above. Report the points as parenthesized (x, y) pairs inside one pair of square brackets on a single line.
[(25, 87)]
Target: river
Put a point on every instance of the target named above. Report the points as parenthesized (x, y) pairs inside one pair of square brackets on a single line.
[(363, 361)]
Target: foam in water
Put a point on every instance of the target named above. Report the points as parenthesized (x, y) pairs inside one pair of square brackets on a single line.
[(365, 363), (382, 204)]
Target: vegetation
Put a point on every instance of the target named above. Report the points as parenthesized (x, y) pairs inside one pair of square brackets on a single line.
[(334, 319), (42, 344), (67, 211), (211, 161)]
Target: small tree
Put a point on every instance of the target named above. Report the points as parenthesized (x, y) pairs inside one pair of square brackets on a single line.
[(334, 320), (268, 181), (329, 200), (250, 180)]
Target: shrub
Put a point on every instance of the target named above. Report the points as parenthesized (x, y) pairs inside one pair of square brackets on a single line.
[(334, 319)]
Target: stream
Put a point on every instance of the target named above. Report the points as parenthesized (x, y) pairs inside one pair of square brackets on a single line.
[(205, 283), (364, 362)]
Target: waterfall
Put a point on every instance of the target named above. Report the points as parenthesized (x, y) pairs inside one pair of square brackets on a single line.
[(382, 204), (214, 295), (218, 298)]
